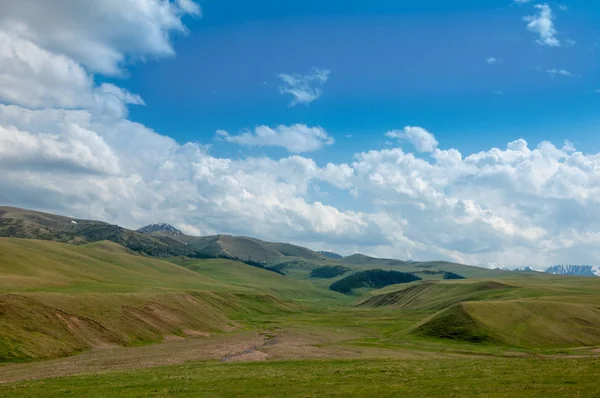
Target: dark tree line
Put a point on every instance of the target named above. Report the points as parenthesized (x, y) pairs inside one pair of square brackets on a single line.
[(452, 275), (373, 279)]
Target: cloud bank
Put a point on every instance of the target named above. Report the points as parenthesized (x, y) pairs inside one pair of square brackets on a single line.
[(78, 154)]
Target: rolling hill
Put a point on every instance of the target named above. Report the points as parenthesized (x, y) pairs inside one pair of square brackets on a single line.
[(20, 223), (541, 312), (163, 241), (57, 299)]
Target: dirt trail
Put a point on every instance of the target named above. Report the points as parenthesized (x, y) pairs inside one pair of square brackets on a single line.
[(252, 353), (242, 346), (170, 352)]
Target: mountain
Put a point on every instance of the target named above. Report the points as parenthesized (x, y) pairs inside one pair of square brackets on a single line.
[(575, 270), (161, 228), (526, 269), (331, 255), (163, 241), (250, 249), (157, 240), (20, 223)]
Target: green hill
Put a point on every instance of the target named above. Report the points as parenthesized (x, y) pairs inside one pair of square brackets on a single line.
[(251, 249), (429, 270), (57, 299), (20, 223), (517, 323), (436, 295)]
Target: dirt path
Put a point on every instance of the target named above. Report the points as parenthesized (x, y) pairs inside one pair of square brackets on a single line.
[(231, 347), (252, 353), (114, 359)]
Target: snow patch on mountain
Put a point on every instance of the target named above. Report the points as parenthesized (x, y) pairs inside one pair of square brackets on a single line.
[(575, 270)]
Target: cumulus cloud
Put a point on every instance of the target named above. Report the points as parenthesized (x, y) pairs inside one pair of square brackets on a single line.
[(101, 34), (421, 139), (491, 60), (543, 24), (304, 88), (78, 154), (297, 138)]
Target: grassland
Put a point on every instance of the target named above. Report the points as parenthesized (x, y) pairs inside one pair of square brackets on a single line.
[(335, 378), (59, 299), (494, 334)]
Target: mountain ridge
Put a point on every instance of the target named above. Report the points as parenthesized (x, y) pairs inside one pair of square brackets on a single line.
[(160, 227)]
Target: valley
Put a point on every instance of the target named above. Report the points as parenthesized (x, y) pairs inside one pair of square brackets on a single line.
[(96, 313)]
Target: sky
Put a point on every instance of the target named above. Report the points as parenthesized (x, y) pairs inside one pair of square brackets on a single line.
[(462, 131)]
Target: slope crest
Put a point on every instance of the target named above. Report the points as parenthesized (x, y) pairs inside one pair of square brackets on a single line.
[(517, 323)]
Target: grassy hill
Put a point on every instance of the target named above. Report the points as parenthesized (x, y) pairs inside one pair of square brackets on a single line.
[(89, 284), (425, 270), (57, 299), (517, 323), (20, 223), (543, 311), (238, 274)]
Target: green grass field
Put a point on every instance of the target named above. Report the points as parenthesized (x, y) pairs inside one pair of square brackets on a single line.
[(335, 378), (229, 329)]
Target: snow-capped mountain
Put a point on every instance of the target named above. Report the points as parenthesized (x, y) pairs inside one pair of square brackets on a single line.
[(577, 270), (526, 269), (160, 227)]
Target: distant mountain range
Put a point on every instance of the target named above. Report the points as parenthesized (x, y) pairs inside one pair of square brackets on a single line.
[(157, 240), (576, 270), (572, 270), (163, 240)]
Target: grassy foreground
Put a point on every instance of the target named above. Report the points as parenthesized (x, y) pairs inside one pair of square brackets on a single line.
[(349, 378)]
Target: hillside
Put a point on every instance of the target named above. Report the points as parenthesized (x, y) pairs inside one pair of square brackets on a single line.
[(429, 270), (57, 299), (540, 312), (19, 223), (251, 249), (163, 240), (517, 323)]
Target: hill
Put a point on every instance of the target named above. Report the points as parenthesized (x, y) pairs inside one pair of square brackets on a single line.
[(517, 323), (437, 295), (163, 240), (57, 299), (160, 228), (251, 249), (429, 270), (19, 223), (539, 312), (331, 255)]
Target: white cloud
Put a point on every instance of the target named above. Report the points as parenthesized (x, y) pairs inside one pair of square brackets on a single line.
[(304, 88), (522, 1), (77, 154), (102, 34), (543, 24), (297, 138), (558, 72), (421, 139), (491, 60)]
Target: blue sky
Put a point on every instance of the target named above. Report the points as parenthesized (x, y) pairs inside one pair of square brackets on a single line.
[(463, 131), (392, 64)]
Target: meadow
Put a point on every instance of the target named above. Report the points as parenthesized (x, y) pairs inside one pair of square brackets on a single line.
[(100, 320)]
